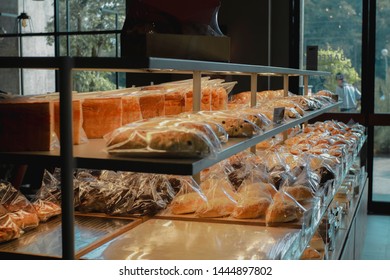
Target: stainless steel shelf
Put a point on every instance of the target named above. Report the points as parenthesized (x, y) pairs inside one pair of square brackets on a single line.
[(153, 64), (92, 154)]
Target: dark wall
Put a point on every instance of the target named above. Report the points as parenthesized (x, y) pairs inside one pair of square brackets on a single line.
[(260, 34)]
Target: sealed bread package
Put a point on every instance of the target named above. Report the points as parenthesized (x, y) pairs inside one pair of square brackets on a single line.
[(79, 135), (235, 126), (92, 194), (27, 125), (283, 209), (8, 228), (253, 201), (174, 102), (131, 108), (171, 140), (311, 254), (19, 208), (152, 103), (153, 192), (188, 199), (221, 198), (101, 115), (218, 128), (47, 201)]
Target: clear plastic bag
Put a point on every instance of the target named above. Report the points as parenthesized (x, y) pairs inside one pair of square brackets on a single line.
[(20, 210), (221, 198), (167, 140), (8, 228), (188, 199)]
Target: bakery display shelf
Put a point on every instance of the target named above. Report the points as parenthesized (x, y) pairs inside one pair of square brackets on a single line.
[(346, 222), (152, 65), (185, 240), (90, 233), (319, 210), (93, 155)]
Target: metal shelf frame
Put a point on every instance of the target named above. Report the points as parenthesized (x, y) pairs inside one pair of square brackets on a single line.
[(66, 156)]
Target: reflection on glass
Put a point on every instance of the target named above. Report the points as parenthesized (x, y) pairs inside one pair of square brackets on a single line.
[(91, 15), (381, 175), (335, 27), (382, 83), (26, 16)]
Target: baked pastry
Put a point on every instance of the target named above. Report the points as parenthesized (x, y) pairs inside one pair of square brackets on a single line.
[(281, 211), (221, 206), (77, 121), (25, 220), (46, 209), (311, 254), (186, 203), (250, 206), (259, 188), (8, 229), (299, 192)]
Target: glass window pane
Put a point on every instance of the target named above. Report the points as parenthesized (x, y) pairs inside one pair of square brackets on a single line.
[(335, 27), (26, 16), (91, 15), (382, 83), (90, 45), (381, 176), (37, 81)]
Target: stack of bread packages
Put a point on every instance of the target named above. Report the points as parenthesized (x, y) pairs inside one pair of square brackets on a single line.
[(236, 189), (282, 185), (17, 214), (295, 105)]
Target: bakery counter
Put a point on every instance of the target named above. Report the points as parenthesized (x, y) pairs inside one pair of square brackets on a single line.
[(188, 240), (93, 155), (45, 240), (348, 228)]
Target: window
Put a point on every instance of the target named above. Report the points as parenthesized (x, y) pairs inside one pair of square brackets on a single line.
[(85, 28), (335, 27)]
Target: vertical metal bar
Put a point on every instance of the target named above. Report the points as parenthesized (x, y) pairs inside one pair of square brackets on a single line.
[(305, 85), (57, 38), (67, 28), (253, 89), (196, 100), (67, 160), (253, 99), (196, 91), (116, 47), (285, 85)]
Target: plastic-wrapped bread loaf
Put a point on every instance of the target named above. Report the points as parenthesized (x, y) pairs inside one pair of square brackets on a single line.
[(20, 210), (164, 137), (79, 135), (8, 228), (26, 125), (188, 199), (152, 103), (101, 115), (131, 109)]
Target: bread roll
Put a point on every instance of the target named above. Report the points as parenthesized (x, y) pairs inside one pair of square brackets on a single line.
[(299, 192), (311, 254), (46, 209), (8, 229), (216, 207), (250, 206), (186, 203), (25, 220), (281, 212)]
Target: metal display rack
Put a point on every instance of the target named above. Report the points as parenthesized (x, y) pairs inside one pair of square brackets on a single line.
[(91, 155)]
